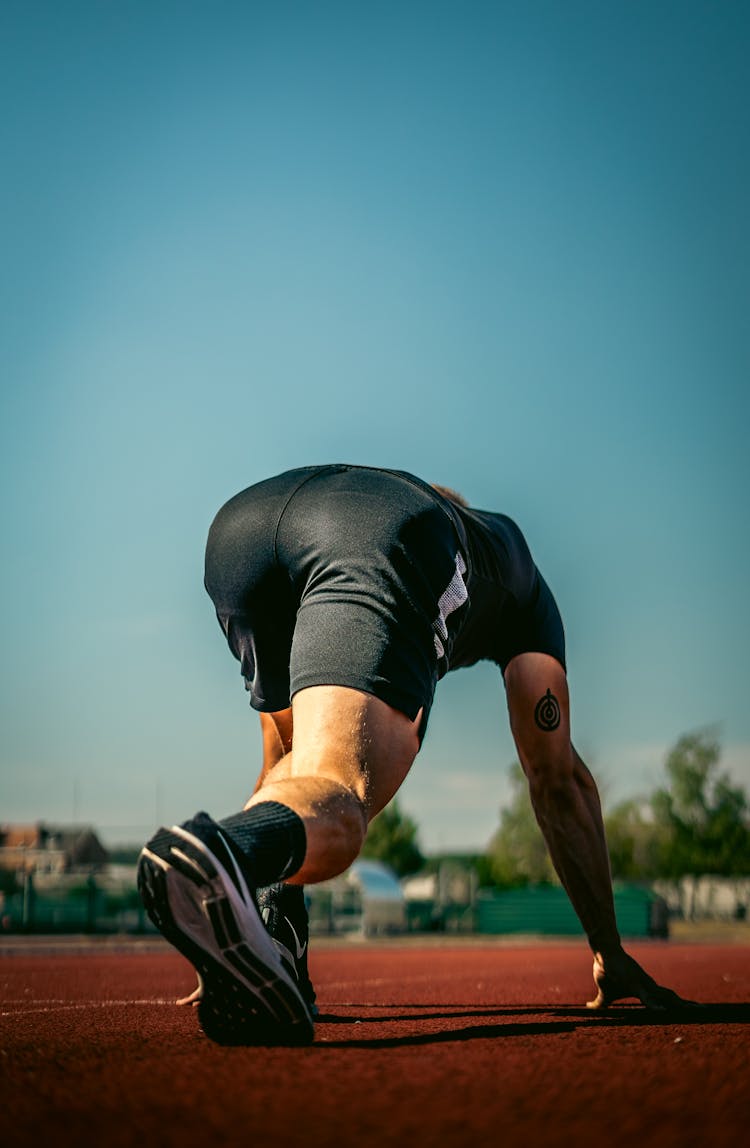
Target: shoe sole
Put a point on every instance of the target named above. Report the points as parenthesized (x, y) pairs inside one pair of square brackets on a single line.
[(247, 995)]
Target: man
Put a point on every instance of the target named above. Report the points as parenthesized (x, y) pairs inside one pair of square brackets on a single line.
[(345, 593)]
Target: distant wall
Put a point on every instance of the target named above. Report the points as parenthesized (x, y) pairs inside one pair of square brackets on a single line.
[(707, 897), (546, 910)]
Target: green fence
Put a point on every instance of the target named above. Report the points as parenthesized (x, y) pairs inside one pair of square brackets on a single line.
[(92, 905), (546, 910), (80, 905)]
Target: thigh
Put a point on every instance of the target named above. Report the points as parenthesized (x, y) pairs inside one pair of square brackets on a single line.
[(374, 561), (353, 738)]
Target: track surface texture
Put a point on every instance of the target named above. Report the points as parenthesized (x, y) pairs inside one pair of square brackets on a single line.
[(468, 1044)]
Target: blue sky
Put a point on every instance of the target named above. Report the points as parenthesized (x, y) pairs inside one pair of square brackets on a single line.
[(503, 245)]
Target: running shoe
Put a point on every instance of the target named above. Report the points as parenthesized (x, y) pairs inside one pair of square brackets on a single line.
[(284, 914), (198, 890)]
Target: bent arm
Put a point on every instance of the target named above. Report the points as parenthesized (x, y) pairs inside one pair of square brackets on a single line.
[(567, 808)]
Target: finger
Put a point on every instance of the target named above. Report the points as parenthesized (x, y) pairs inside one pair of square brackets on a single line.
[(665, 1000), (599, 1002), (652, 996)]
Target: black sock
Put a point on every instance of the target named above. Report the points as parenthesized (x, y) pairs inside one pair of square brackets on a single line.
[(272, 837)]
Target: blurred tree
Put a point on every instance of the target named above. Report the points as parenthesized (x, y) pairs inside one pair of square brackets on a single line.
[(703, 819), (636, 842), (517, 854), (392, 839), (698, 823)]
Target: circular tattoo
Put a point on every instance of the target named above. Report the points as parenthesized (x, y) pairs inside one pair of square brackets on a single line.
[(547, 712)]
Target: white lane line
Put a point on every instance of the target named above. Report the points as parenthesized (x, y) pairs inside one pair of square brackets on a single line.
[(357, 984), (20, 1008), (30, 1008)]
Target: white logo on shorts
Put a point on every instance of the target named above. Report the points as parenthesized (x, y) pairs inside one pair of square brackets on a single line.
[(454, 595)]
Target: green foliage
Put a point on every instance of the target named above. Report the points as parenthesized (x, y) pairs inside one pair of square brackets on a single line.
[(705, 820), (392, 839), (517, 854), (697, 823), (637, 844)]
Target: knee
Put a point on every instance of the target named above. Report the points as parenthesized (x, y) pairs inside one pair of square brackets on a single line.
[(344, 805)]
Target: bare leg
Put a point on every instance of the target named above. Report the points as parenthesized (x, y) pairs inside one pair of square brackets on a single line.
[(351, 752)]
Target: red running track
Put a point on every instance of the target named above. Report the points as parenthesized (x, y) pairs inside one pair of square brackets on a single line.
[(456, 1045)]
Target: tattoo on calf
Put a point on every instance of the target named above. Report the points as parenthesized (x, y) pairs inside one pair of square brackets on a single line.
[(547, 712)]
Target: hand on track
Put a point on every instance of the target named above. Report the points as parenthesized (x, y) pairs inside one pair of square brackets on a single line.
[(618, 976)]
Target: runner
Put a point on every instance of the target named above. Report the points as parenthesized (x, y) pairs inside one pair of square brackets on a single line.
[(346, 593)]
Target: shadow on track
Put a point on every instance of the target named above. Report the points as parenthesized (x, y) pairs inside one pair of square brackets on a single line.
[(566, 1019)]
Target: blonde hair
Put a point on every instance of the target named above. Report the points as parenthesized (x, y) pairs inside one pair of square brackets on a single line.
[(451, 495)]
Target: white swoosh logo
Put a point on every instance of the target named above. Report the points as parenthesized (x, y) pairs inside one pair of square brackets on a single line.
[(300, 948)]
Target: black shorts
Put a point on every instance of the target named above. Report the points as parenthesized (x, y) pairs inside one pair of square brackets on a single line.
[(337, 575)]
